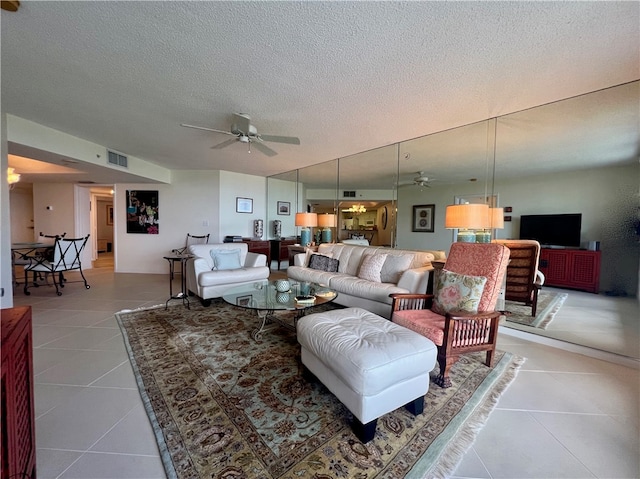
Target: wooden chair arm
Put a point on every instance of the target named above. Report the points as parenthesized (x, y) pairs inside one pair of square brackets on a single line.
[(404, 301), (480, 315)]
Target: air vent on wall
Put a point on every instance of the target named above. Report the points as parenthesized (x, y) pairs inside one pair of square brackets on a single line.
[(117, 159), (348, 194)]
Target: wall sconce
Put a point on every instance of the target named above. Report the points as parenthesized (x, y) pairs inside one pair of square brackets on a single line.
[(12, 177), (306, 220), (467, 218), (327, 221)]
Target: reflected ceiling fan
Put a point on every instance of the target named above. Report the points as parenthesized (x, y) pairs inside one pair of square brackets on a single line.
[(245, 132), (420, 180)]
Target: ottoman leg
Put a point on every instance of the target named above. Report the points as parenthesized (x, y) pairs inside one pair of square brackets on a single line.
[(416, 406), (364, 432)]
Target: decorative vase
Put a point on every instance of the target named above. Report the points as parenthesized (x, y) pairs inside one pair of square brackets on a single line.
[(282, 297), (257, 228), (282, 285), (277, 228)]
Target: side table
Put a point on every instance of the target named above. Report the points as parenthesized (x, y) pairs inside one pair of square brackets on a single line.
[(182, 259)]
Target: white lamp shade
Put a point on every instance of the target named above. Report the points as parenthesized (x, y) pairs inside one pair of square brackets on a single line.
[(306, 219), (469, 216), (497, 218), (327, 220)]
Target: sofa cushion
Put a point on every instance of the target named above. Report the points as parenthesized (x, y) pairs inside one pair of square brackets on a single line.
[(300, 273), (363, 288), (323, 263), (394, 266), (226, 258), (371, 267), (457, 292), (231, 276)]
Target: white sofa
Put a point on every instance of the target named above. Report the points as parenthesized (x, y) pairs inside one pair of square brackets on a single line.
[(207, 281), (363, 293)]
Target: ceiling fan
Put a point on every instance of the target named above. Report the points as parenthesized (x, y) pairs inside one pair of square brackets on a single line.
[(245, 132), (420, 180)]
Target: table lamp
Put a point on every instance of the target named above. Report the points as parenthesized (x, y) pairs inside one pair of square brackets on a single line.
[(467, 218), (306, 220), (327, 221)]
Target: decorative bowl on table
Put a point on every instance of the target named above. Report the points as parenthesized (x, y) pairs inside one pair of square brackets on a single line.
[(282, 285)]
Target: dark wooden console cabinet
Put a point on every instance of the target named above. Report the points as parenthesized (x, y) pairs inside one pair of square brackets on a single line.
[(259, 246), (18, 424), (571, 268), (280, 249)]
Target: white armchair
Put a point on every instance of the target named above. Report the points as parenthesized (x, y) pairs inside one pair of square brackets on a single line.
[(215, 268)]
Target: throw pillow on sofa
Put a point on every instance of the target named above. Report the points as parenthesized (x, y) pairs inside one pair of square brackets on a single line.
[(226, 259), (323, 263), (310, 252), (394, 266), (371, 266), (457, 292)]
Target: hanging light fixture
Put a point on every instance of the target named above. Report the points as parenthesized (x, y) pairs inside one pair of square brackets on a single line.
[(12, 177), (357, 209)]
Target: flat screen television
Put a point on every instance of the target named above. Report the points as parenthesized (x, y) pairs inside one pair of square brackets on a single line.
[(560, 230)]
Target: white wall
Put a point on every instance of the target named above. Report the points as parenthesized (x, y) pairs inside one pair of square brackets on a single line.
[(60, 218), (606, 197), (21, 210), (6, 276), (233, 185)]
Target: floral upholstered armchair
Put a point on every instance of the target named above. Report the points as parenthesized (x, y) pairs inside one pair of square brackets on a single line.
[(460, 316)]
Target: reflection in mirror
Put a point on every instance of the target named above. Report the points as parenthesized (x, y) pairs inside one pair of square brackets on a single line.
[(367, 196), (317, 189), (579, 155), (434, 170), (282, 205)]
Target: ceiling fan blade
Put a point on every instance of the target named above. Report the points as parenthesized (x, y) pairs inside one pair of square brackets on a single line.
[(292, 140), (206, 129), (242, 122), (224, 143), (263, 148)]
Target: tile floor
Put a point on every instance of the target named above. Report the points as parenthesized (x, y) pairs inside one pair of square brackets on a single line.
[(565, 415)]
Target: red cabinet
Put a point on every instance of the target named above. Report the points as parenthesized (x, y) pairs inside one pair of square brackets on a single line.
[(18, 423), (571, 268)]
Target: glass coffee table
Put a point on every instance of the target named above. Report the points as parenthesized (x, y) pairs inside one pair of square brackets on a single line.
[(262, 297)]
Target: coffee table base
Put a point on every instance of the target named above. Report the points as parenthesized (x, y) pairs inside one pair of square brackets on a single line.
[(270, 321)]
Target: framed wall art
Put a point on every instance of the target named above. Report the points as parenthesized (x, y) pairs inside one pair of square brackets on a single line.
[(284, 208), (142, 212), (423, 216), (109, 214), (244, 205)]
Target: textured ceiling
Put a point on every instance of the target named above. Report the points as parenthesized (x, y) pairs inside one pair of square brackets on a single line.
[(344, 77)]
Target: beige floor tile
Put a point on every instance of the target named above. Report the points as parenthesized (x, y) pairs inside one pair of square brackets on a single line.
[(83, 369), (51, 463), (115, 466)]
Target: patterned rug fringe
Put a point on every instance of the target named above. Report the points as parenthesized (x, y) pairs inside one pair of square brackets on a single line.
[(464, 437)]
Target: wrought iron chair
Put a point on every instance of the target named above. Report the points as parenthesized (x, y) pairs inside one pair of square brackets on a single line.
[(42, 247), (66, 257), (191, 239), (461, 323), (523, 278)]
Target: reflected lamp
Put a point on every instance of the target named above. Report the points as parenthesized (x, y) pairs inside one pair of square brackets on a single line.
[(467, 218), (327, 221), (306, 221)]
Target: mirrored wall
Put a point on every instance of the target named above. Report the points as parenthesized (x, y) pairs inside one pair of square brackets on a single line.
[(578, 155)]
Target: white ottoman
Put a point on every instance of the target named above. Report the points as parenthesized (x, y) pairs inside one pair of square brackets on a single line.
[(372, 365)]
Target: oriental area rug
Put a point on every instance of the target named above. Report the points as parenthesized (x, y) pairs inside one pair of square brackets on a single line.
[(223, 405), (548, 305)]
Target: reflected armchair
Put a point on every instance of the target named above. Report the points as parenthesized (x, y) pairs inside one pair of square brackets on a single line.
[(459, 317), (523, 278)]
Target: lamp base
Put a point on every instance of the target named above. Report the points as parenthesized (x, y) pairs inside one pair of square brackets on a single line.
[(466, 236), (305, 237), (483, 237), (326, 235)]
